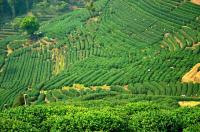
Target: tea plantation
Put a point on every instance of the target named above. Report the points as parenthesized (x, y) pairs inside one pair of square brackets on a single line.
[(115, 66), (107, 113)]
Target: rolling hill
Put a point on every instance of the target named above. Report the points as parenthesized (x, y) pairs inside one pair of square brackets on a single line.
[(146, 44), (122, 65)]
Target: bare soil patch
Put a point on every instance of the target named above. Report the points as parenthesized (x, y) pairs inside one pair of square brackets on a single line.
[(74, 8), (93, 20), (188, 103), (9, 50), (196, 2), (126, 88), (193, 75)]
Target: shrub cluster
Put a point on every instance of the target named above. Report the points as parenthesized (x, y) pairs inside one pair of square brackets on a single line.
[(140, 116)]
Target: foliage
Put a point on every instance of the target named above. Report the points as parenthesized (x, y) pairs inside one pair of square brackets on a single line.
[(192, 128), (16, 23), (51, 8), (123, 44), (87, 121), (15, 125), (154, 121), (30, 24), (122, 117)]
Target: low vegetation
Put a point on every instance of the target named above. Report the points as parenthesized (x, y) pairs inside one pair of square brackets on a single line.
[(109, 114), (100, 65)]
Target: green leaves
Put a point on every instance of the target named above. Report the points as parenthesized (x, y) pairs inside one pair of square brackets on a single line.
[(15, 125), (140, 116), (93, 120), (153, 121), (11, 2), (30, 24), (193, 128)]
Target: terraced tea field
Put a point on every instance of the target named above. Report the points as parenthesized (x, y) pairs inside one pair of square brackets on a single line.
[(111, 65), (150, 44), (147, 46)]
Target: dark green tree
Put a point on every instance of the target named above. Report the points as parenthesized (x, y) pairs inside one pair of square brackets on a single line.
[(30, 24), (27, 5), (12, 5), (1, 6)]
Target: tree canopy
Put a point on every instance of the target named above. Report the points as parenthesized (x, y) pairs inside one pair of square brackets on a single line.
[(30, 24)]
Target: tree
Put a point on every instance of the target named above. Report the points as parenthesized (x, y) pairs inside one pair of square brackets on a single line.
[(27, 5), (1, 7), (12, 5), (30, 24)]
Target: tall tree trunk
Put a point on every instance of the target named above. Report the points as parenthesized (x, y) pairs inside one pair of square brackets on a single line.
[(12, 5), (27, 5), (1, 10), (1, 7), (13, 11)]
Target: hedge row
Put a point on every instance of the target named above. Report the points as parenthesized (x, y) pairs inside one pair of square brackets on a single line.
[(141, 116)]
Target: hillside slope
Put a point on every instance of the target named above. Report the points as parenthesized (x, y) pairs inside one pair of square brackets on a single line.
[(141, 44)]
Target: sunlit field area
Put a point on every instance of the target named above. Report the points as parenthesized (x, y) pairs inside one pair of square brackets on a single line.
[(100, 65)]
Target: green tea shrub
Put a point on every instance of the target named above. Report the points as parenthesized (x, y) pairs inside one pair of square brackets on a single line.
[(132, 108), (72, 93), (187, 116), (1, 60), (118, 89), (99, 95), (86, 121), (192, 128), (15, 125), (153, 121)]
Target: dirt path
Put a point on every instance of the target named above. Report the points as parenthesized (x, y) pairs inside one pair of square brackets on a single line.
[(196, 2)]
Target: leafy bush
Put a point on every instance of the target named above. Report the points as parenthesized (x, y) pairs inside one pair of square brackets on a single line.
[(153, 121), (100, 115), (133, 108), (15, 125), (192, 128), (16, 23), (118, 89), (99, 95), (86, 121), (187, 116)]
